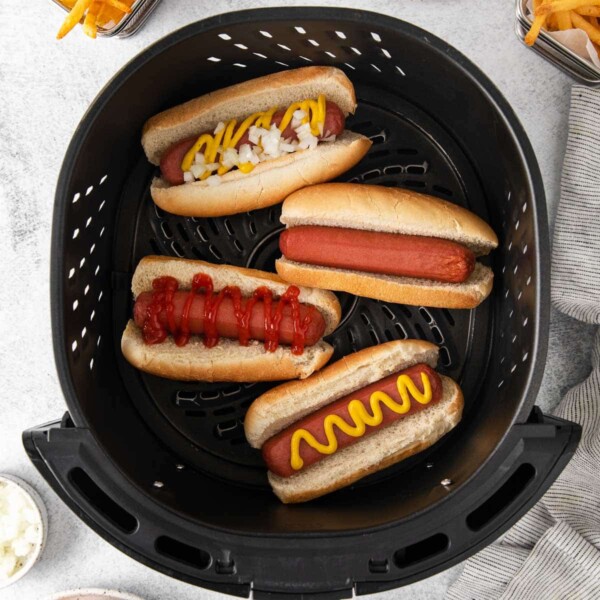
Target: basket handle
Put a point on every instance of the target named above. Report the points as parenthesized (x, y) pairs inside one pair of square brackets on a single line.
[(473, 516)]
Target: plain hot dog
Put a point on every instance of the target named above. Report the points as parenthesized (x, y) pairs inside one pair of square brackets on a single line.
[(226, 321), (385, 243), (276, 452), (249, 145), (357, 416), (170, 163), (377, 252), (193, 320)]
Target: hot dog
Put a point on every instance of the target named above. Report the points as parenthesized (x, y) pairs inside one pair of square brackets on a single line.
[(170, 163), (385, 243), (277, 453), (249, 145), (196, 321), (359, 415), (377, 252)]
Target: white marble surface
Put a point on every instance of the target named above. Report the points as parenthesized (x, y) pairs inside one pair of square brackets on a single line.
[(45, 88)]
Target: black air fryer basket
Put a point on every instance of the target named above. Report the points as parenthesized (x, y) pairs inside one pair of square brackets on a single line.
[(161, 469)]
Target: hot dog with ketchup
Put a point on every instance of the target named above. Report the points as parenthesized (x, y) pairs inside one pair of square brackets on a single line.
[(193, 320), (385, 243), (357, 416), (249, 145)]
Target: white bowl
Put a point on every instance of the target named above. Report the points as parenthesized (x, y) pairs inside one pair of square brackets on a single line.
[(93, 594), (40, 508)]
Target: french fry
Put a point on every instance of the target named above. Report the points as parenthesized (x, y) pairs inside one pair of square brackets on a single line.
[(122, 6), (588, 11), (536, 27), (90, 25), (581, 23), (564, 20), (73, 17), (550, 6)]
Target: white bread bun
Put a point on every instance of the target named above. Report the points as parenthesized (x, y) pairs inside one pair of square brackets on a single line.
[(228, 360), (389, 210), (286, 404), (392, 210), (401, 290), (271, 181), (202, 114), (267, 184)]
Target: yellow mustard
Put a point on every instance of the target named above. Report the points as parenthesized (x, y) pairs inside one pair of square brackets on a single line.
[(226, 138), (361, 417)]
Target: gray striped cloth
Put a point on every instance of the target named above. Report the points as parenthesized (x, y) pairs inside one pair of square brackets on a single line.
[(553, 552)]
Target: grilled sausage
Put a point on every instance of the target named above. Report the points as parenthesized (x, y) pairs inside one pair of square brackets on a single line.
[(226, 322), (377, 252)]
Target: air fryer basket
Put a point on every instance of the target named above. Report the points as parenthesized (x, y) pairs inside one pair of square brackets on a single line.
[(161, 468)]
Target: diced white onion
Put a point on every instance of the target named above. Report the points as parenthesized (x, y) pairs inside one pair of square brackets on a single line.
[(245, 153), (20, 529), (188, 177), (220, 126), (230, 158), (197, 171), (264, 144)]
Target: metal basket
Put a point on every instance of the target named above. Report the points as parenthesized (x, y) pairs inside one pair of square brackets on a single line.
[(555, 52), (130, 23), (160, 468)]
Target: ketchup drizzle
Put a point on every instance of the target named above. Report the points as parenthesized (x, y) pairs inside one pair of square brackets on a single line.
[(163, 291)]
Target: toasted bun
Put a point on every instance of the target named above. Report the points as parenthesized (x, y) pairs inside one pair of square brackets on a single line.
[(392, 444), (284, 405), (393, 210), (228, 361), (402, 290), (278, 89), (269, 183)]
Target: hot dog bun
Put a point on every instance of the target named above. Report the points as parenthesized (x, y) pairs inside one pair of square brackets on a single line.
[(271, 181), (288, 403), (390, 210), (228, 360)]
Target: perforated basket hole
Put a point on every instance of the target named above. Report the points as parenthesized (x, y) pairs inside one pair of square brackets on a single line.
[(87, 238)]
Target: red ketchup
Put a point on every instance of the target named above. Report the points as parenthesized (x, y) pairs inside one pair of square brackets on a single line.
[(164, 288)]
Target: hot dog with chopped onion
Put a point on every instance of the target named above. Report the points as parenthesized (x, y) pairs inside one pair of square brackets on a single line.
[(249, 145), (196, 321), (386, 243), (357, 416)]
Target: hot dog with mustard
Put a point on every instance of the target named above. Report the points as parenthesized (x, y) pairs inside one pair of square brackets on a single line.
[(357, 416), (249, 145)]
